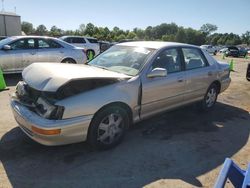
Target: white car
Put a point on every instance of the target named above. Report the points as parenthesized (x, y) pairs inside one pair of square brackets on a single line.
[(18, 52), (209, 48), (223, 50), (91, 44)]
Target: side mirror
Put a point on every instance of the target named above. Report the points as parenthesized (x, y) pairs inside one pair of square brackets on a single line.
[(157, 72), (6, 47)]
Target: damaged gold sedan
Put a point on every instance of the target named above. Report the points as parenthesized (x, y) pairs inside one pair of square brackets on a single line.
[(59, 104)]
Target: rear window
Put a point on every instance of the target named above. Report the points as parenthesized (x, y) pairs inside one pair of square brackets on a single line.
[(93, 40)]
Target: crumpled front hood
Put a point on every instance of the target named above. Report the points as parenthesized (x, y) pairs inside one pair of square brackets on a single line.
[(50, 76)]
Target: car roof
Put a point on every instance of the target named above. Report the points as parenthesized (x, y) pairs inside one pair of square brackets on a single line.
[(30, 36), (154, 44), (77, 36)]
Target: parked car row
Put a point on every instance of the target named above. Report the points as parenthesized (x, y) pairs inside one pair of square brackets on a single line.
[(227, 51), (59, 104), (235, 52), (210, 49)]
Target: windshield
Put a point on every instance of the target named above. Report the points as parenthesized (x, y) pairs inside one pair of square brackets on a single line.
[(123, 59), (5, 41)]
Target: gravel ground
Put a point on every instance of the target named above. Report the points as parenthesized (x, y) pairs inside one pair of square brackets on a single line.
[(181, 148)]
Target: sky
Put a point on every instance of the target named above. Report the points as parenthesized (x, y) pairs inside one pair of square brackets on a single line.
[(228, 15)]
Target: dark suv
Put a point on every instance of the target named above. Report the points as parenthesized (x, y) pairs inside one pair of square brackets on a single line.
[(235, 52)]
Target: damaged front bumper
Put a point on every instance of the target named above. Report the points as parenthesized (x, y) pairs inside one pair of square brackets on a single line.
[(61, 132)]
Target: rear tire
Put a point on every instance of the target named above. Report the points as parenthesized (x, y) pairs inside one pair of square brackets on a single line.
[(69, 61), (210, 98), (108, 127)]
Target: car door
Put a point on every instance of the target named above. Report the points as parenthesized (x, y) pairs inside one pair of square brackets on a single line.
[(162, 93), (49, 50), (199, 74), (21, 54)]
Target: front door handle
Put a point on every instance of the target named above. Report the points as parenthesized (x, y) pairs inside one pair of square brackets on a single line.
[(180, 79)]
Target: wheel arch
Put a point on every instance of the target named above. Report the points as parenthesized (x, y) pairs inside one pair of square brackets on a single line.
[(70, 58), (120, 104), (218, 84)]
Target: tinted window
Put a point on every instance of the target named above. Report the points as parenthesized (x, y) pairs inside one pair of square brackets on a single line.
[(23, 44), (169, 60), (233, 48), (77, 40), (93, 40), (67, 40), (47, 43), (193, 58)]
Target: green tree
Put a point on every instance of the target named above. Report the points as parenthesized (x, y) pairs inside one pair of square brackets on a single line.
[(82, 29), (246, 37), (180, 35), (149, 33), (170, 38), (27, 28), (131, 35), (55, 31), (41, 30), (140, 34), (208, 28), (89, 30)]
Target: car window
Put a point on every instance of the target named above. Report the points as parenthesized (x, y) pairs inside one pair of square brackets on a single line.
[(67, 40), (233, 48), (77, 40), (47, 43), (169, 60), (23, 44), (193, 58), (93, 40)]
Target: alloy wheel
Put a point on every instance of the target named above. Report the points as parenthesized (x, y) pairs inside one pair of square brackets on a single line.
[(110, 129)]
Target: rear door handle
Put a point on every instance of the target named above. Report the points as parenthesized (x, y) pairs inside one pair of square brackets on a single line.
[(210, 73), (32, 53)]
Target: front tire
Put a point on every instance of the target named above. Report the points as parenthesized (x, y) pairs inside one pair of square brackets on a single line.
[(108, 127), (210, 98)]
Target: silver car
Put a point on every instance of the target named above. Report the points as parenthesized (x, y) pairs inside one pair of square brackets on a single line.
[(127, 83), (16, 53)]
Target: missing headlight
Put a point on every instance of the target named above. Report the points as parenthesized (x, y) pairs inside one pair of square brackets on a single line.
[(47, 110)]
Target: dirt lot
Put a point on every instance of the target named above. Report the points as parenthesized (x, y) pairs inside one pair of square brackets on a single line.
[(182, 148)]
